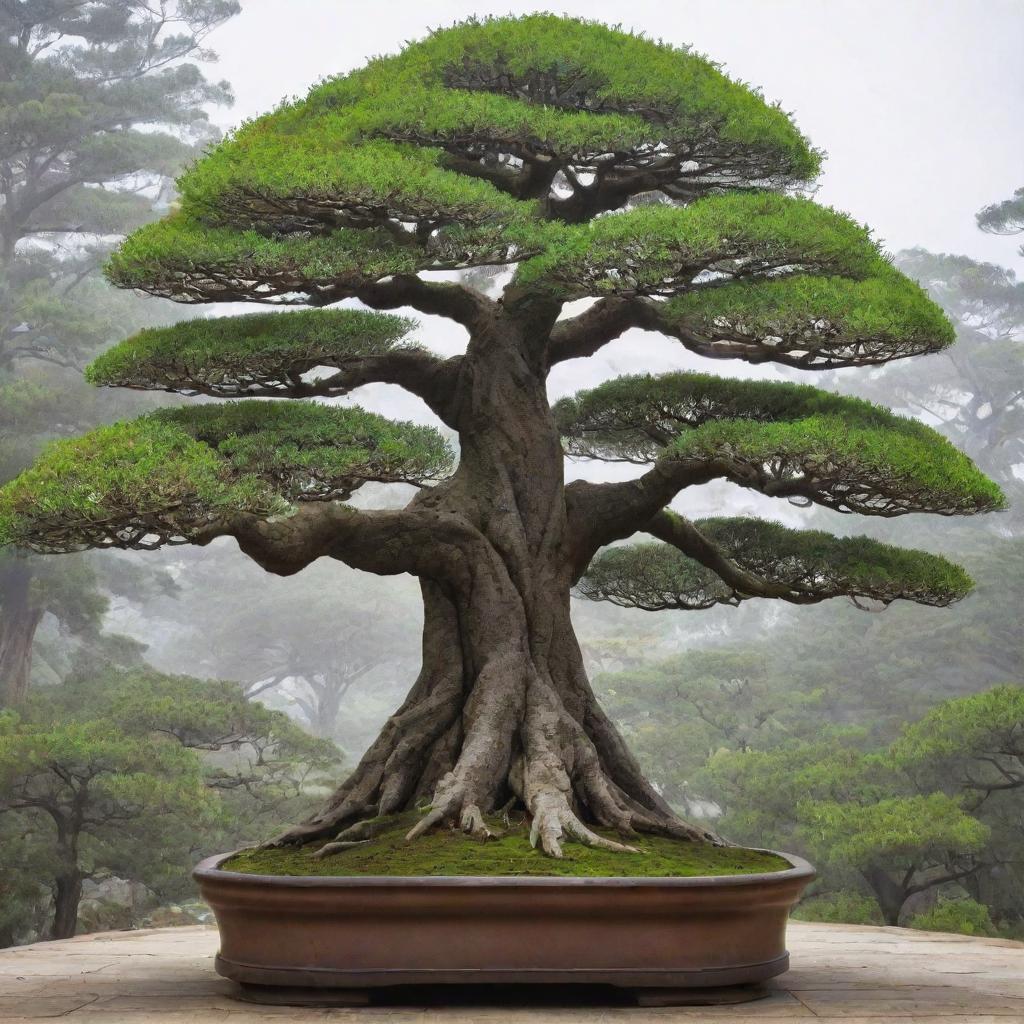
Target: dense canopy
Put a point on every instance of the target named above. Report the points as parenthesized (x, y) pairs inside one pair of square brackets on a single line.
[(789, 440)]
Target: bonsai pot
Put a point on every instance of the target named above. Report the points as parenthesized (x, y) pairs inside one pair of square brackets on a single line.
[(359, 933)]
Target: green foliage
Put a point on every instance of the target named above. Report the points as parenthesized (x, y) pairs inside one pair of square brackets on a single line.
[(838, 451), (444, 851), (454, 89), (246, 349), (142, 800), (156, 256), (659, 250), (397, 145), (901, 467), (963, 916), (840, 908), (801, 566), (897, 829), (987, 724), (137, 774), (624, 76), (168, 474), (813, 318)]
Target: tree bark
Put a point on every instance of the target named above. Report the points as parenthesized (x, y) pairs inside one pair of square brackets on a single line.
[(67, 894), (502, 708), (890, 895), (19, 619)]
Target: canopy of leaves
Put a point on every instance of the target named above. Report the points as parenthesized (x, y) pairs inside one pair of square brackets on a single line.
[(979, 740), (802, 566), (261, 350), (662, 250), (446, 156), (784, 439), (163, 477), (897, 829), (811, 321), (568, 92)]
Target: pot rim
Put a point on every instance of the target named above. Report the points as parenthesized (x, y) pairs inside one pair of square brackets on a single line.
[(210, 869)]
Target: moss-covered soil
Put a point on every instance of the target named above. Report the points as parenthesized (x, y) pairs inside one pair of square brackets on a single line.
[(446, 851)]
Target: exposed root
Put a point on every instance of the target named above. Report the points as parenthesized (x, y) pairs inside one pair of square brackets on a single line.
[(472, 821), (553, 818), (331, 848)]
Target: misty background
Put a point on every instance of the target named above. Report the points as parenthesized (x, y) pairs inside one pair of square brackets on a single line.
[(917, 104)]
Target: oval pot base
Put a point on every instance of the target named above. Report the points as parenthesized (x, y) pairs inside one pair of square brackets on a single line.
[(361, 933)]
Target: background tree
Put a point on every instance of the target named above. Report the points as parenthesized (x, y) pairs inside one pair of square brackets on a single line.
[(275, 642), (100, 103), (1005, 218), (501, 142), (138, 774)]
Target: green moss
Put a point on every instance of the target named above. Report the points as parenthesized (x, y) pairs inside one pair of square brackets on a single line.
[(445, 851)]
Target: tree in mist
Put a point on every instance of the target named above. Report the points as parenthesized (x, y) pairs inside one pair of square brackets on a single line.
[(1004, 218), (511, 141), (100, 103), (940, 808), (135, 774), (226, 624)]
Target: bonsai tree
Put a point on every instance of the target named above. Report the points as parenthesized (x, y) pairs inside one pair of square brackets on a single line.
[(535, 143)]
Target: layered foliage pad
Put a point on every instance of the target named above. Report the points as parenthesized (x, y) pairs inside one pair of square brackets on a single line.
[(663, 250), (260, 351), (555, 91), (786, 439), (800, 566), (166, 476), (460, 151), (812, 322)]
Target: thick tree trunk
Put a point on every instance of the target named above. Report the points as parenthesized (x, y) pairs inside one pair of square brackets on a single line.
[(890, 895), (67, 894), (502, 708), (19, 619)]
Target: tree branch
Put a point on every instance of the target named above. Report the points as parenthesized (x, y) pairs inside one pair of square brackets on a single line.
[(601, 513), (594, 328), (457, 302)]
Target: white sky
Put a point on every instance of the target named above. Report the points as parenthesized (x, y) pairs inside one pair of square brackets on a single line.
[(918, 103)]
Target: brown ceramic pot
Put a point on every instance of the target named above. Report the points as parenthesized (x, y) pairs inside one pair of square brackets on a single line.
[(360, 933)]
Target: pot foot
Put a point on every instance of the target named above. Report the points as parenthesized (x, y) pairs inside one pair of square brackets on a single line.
[(272, 995), (699, 996)]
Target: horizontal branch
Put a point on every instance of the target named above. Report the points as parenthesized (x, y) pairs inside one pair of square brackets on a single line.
[(271, 355)]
